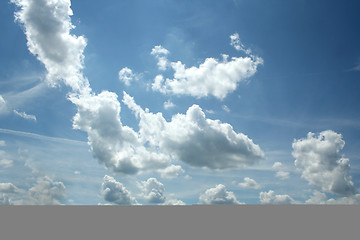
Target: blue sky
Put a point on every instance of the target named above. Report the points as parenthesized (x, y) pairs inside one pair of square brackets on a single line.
[(179, 102)]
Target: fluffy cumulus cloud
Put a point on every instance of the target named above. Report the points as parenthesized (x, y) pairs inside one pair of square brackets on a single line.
[(321, 164), (170, 172), (168, 104), (127, 76), (283, 175), (213, 77), (321, 198), (47, 192), (116, 146), (160, 54), (196, 140), (153, 191), (115, 192), (237, 44), (8, 188), (249, 183), (47, 26), (218, 195), (173, 202), (271, 198)]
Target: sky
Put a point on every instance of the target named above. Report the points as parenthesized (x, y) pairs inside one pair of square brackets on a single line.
[(168, 102)]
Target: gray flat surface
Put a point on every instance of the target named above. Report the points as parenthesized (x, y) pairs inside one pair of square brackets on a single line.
[(179, 222)]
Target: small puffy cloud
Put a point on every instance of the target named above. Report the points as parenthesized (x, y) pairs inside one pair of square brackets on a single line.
[(225, 108), (210, 111), (2, 143), (170, 172), (277, 165), (168, 104), (127, 76), (47, 26), (25, 116), (6, 163), (153, 191), (320, 163), (173, 202), (116, 146), (8, 188), (213, 77), (114, 192), (218, 195), (77, 172), (271, 198), (160, 54), (47, 192), (196, 140), (249, 183), (236, 43), (282, 175)]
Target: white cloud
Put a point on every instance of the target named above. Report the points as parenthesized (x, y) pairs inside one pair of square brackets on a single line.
[(6, 163), (171, 172), (196, 140), (212, 77), (114, 192), (168, 104), (153, 191), (160, 54), (2, 143), (321, 164), (77, 172), (271, 198), (47, 192), (127, 76), (3, 106), (173, 202), (277, 165), (218, 195), (25, 116), (282, 175), (320, 198), (47, 26), (225, 108), (4, 158), (350, 200), (8, 188), (249, 183), (4, 199), (115, 145), (236, 43), (210, 111)]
